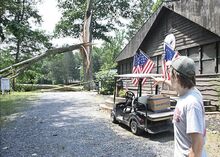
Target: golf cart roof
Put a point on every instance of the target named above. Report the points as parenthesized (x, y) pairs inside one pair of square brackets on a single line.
[(139, 75)]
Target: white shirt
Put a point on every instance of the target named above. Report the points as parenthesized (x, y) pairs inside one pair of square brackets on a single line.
[(189, 117)]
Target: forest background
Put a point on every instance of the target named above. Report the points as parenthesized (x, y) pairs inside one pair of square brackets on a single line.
[(113, 24)]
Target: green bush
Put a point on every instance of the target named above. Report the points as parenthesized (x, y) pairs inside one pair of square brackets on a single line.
[(25, 88), (107, 81), (121, 93), (105, 91)]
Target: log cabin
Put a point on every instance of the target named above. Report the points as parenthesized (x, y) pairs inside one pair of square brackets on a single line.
[(196, 27)]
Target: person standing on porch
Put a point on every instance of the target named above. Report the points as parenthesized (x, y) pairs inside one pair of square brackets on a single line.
[(189, 114)]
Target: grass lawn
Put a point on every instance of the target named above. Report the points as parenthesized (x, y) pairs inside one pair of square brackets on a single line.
[(12, 103)]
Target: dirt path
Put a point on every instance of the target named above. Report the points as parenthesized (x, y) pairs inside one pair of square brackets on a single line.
[(70, 124)]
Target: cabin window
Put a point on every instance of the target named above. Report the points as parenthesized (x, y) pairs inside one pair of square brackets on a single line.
[(121, 69), (154, 59), (183, 52), (131, 66), (204, 57), (125, 67), (208, 58), (194, 54), (160, 64), (218, 48)]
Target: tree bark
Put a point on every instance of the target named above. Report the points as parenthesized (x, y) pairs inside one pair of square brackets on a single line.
[(16, 61), (19, 18), (87, 51)]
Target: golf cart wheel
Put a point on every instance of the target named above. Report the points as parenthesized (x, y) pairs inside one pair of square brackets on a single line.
[(134, 128), (113, 118)]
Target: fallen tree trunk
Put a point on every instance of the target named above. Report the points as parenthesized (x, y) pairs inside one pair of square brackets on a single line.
[(26, 63)]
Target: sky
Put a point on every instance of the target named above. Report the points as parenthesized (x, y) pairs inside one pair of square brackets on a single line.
[(51, 15)]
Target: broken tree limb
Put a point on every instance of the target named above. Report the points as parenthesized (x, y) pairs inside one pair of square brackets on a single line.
[(19, 71), (55, 51), (87, 58)]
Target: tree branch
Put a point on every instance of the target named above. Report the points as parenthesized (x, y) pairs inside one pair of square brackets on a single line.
[(46, 54)]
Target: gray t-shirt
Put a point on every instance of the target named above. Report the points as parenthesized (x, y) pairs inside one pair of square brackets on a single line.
[(189, 117)]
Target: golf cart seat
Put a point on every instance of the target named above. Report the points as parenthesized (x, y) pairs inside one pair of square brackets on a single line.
[(129, 96), (127, 109), (143, 99), (140, 103)]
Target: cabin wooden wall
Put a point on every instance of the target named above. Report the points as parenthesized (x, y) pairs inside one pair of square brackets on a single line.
[(207, 59), (209, 86), (147, 88), (125, 66), (191, 40)]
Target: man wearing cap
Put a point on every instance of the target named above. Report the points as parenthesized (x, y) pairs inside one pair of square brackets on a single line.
[(189, 114)]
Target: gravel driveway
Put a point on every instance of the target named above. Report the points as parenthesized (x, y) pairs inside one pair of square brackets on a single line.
[(70, 124)]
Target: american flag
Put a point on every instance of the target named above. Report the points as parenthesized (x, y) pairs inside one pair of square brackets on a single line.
[(141, 64), (166, 62), (136, 68)]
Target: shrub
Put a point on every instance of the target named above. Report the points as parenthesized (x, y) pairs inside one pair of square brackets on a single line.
[(107, 81), (25, 87), (121, 93)]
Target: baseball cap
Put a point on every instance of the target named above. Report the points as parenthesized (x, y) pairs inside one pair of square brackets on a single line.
[(185, 66)]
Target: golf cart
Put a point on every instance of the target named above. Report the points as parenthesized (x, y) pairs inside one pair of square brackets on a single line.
[(135, 112)]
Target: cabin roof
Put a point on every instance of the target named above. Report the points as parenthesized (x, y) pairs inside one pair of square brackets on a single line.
[(198, 16)]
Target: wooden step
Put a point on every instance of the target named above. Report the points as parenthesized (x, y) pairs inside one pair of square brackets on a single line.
[(210, 108), (212, 113), (105, 108), (207, 102), (117, 99), (109, 102)]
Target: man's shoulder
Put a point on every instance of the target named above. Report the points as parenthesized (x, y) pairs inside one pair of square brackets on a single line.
[(194, 96)]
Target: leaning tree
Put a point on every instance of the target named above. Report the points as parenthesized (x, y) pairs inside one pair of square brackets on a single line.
[(88, 20), (15, 69), (17, 34)]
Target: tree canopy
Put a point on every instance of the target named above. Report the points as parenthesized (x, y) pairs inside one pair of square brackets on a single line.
[(17, 18), (106, 16), (141, 12), (21, 41)]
